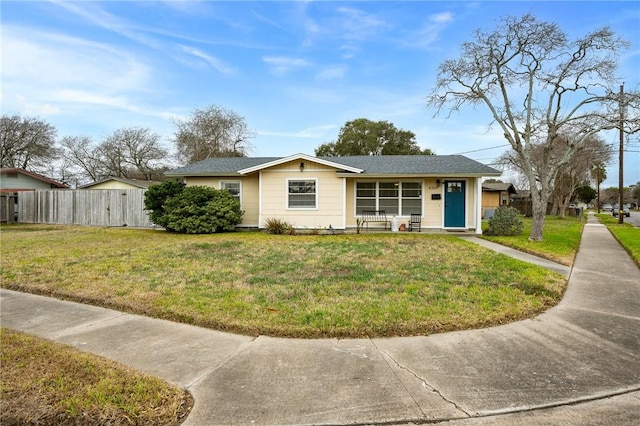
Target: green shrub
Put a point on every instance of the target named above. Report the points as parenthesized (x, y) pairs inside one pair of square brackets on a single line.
[(278, 227), (156, 196), (506, 221), (200, 210)]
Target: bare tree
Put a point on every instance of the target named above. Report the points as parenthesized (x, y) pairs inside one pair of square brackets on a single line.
[(578, 171), (81, 154), (211, 132), (26, 142), (133, 152), (538, 85), (568, 178)]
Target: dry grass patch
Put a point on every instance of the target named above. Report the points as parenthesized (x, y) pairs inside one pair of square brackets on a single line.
[(47, 383), (300, 286)]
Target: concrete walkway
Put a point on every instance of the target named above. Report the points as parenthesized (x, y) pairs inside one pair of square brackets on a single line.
[(578, 363)]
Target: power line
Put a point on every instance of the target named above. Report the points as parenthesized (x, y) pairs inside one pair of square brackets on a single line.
[(482, 149)]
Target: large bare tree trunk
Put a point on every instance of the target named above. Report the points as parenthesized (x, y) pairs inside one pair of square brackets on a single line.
[(539, 211)]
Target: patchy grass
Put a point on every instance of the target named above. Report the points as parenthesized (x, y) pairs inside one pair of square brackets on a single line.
[(627, 235), (561, 239), (47, 383), (293, 286)]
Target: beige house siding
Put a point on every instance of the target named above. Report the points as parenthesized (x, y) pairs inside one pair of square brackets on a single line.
[(329, 207), (249, 193), (433, 213), (470, 203), (19, 181), (112, 184), (491, 200)]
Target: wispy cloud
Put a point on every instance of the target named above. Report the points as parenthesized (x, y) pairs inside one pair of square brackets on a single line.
[(332, 73), (212, 61), (35, 108), (191, 7), (50, 59), (308, 133), (359, 25), (281, 65), (430, 31), (46, 73), (92, 13)]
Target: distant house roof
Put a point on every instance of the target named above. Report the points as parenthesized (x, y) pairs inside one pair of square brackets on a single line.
[(376, 165), (133, 182), (498, 187), (14, 170)]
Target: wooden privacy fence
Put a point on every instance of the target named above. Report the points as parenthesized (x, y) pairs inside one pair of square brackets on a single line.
[(90, 207), (8, 207)]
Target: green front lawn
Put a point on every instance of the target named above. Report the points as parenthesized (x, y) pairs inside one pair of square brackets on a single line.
[(627, 235), (561, 239), (298, 286)]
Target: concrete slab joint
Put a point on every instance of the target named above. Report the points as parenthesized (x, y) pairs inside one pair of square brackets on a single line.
[(426, 385)]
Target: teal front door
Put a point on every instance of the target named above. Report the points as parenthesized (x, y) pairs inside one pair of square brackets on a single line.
[(454, 205)]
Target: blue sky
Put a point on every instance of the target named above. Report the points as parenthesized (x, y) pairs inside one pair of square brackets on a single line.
[(296, 71)]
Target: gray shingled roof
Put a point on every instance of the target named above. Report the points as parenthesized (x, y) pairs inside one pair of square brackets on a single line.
[(372, 165), (499, 186), (220, 166), (416, 164)]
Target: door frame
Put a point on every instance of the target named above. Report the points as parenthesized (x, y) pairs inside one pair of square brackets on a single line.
[(463, 212)]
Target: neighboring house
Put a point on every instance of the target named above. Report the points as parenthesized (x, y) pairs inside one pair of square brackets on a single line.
[(119, 183), (14, 181), (494, 195), (17, 180), (322, 192)]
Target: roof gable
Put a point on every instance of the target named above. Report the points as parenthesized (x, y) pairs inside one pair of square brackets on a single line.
[(53, 183), (133, 182), (296, 157), (499, 186)]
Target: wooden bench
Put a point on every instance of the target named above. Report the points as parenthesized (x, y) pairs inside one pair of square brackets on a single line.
[(379, 216)]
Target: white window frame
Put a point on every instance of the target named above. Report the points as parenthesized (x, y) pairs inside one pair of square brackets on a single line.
[(239, 182), (314, 180), (377, 196), (402, 197)]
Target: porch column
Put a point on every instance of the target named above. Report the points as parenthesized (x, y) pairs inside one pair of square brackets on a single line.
[(478, 205)]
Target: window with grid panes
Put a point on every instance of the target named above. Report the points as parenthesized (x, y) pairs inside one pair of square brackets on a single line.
[(302, 194), (365, 196), (411, 198), (233, 187), (392, 197)]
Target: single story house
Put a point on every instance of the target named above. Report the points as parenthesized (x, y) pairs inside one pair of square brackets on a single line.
[(494, 195), (17, 180), (119, 183), (336, 192)]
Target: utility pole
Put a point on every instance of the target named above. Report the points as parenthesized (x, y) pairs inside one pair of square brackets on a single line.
[(598, 177), (621, 162)]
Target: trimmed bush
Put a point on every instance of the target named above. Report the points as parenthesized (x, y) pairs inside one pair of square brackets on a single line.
[(505, 222), (278, 227), (195, 209)]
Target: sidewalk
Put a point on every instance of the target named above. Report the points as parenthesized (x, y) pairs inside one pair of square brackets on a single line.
[(586, 349)]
